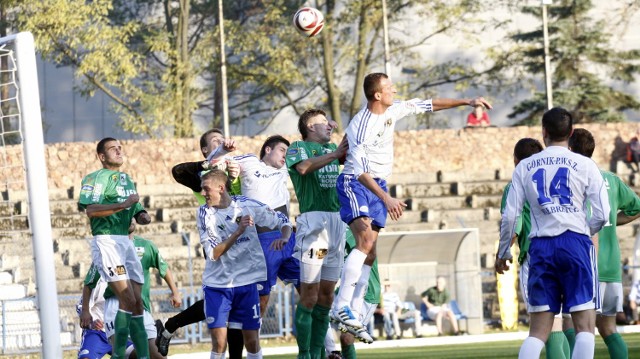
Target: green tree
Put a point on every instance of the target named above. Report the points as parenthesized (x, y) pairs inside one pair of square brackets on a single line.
[(159, 59), (582, 60)]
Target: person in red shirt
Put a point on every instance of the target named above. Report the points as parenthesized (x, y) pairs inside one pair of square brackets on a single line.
[(478, 117)]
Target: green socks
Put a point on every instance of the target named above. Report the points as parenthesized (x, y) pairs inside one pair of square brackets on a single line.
[(617, 347), (557, 346), (139, 336), (571, 337), (121, 328), (319, 327), (349, 352), (303, 327)]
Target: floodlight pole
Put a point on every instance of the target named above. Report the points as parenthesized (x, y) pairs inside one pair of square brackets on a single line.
[(223, 73), (547, 60), (385, 32)]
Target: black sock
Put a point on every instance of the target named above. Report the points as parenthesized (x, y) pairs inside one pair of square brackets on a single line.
[(193, 314), (236, 343)]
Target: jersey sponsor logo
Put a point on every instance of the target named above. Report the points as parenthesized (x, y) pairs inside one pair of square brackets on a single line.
[(319, 253), (123, 179), (125, 192), (97, 192), (242, 239), (121, 270), (292, 152), (267, 175), (86, 188)]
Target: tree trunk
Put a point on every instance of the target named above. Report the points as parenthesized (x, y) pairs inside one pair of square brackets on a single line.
[(183, 122), (327, 49), (361, 65)]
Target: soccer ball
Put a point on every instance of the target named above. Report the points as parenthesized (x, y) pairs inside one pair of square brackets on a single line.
[(308, 21)]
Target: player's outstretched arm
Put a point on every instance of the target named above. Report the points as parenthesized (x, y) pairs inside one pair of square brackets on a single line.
[(446, 103), (315, 163), (104, 210)]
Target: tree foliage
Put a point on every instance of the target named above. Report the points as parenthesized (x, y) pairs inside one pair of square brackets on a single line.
[(159, 59), (586, 69)]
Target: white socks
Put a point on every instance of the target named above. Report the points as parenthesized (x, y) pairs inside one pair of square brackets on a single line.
[(531, 348), (351, 273), (360, 291), (585, 346), (257, 355), (215, 355)]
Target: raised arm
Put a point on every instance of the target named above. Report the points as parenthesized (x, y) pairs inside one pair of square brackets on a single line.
[(446, 103)]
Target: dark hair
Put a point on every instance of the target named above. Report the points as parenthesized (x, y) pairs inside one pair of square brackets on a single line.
[(558, 123), (271, 142), (304, 120), (372, 84), (203, 138), (216, 175), (102, 143), (526, 147), (582, 142)]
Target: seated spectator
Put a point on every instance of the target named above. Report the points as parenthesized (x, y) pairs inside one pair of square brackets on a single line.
[(436, 299), (633, 152), (634, 301), (394, 311), (478, 117)]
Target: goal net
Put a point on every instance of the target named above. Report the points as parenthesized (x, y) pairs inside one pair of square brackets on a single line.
[(26, 247)]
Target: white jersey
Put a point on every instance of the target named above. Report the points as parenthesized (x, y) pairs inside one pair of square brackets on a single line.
[(391, 302), (262, 182), (96, 301), (557, 183), (244, 262), (371, 138)]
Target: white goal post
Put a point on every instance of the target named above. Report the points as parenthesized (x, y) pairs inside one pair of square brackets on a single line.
[(17, 55)]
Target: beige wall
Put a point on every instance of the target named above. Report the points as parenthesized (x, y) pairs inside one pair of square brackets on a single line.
[(467, 151)]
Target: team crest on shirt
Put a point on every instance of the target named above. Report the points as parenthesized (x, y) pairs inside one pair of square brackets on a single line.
[(389, 122), (313, 153), (123, 179), (114, 177), (140, 251)]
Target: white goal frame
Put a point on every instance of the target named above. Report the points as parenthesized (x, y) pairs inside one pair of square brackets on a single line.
[(38, 191)]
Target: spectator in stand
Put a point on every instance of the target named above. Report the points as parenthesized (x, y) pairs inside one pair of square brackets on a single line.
[(633, 152), (394, 311), (478, 117), (437, 301)]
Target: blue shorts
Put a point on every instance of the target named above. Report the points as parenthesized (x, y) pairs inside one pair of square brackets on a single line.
[(95, 345), (562, 273), (280, 263), (357, 200), (239, 306)]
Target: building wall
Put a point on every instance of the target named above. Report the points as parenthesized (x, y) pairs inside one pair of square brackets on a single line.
[(458, 151)]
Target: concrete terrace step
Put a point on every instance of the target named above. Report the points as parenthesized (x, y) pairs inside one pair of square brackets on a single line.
[(54, 194), (170, 201), (466, 214), (14, 223), (443, 202), (421, 190), (449, 176), (478, 188), (482, 201)]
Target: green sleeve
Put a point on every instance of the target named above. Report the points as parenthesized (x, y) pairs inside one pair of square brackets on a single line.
[(158, 261), (629, 200), (236, 187), (92, 277), (295, 154)]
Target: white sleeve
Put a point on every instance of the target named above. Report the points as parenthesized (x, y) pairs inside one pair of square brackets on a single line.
[(512, 209), (414, 106), (264, 216), (598, 197), (208, 239)]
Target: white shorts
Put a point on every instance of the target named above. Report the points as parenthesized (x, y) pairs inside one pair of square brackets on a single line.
[(111, 306), (611, 296), (116, 258), (320, 239)]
